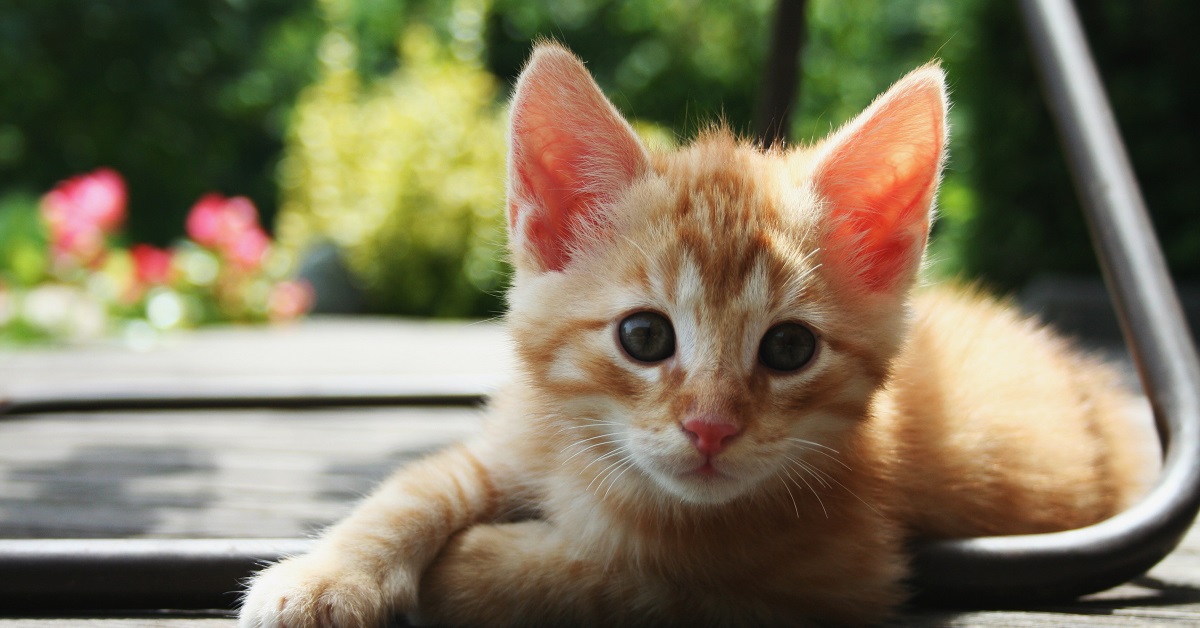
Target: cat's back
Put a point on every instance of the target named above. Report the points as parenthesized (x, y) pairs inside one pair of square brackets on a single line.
[(1001, 426)]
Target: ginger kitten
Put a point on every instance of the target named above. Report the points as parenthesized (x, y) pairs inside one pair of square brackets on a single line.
[(729, 409)]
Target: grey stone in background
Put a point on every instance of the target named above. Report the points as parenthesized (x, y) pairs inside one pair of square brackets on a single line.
[(336, 290)]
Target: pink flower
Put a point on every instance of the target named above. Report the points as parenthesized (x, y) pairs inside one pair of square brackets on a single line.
[(77, 244), (248, 248), (230, 226), (289, 300), (81, 211), (97, 199), (151, 265), (204, 220)]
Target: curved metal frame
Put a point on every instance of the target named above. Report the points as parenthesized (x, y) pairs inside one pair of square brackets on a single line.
[(92, 574), (1008, 571), (1020, 569)]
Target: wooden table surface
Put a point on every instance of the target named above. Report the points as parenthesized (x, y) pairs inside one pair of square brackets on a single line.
[(286, 473)]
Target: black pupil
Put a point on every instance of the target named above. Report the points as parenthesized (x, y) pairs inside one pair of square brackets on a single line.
[(787, 347), (647, 336)]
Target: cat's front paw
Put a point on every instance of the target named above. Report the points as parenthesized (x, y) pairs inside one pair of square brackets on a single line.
[(307, 592)]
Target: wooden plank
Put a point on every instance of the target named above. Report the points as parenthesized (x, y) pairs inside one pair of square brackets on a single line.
[(318, 353), (205, 474)]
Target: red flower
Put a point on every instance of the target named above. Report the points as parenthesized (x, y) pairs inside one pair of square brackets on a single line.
[(230, 226), (81, 211), (151, 265)]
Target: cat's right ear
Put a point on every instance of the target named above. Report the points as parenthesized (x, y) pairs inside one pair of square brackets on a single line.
[(570, 155), (878, 176)]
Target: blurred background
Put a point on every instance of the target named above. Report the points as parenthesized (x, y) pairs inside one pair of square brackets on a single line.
[(369, 134)]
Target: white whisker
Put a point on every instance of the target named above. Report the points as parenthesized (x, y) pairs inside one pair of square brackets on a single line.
[(580, 442), (812, 471), (629, 463), (813, 443), (591, 424), (789, 492), (590, 447), (818, 473), (599, 421), (604, 457), (610, 466), (812, 446), (812, 490)]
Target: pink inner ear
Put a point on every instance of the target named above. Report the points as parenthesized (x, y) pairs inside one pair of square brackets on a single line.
[(555, 177), (880, 180), (572, 153)]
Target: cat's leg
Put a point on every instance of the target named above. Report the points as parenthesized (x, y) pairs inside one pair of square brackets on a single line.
[(366, 568), (525, 573), (534, 573)]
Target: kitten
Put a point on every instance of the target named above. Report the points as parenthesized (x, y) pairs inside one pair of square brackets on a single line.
[(729, 409)]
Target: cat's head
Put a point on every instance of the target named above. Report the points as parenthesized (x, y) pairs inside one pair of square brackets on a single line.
[(714, 319)]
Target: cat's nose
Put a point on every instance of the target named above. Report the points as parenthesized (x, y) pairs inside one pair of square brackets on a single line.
[(710, 437)]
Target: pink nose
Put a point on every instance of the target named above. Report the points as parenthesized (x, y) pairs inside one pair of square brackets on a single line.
[(710, 437)]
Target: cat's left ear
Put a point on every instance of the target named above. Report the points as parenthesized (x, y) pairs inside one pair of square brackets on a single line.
[(571, 154), (878, 176)]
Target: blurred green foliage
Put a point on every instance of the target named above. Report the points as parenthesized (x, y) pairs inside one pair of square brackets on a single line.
[(403, 170), (1028, 218), (404, 174), (394, 151), (23, 245), (678, 63), (182, 97)]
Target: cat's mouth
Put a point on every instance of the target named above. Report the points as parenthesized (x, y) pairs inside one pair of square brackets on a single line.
[(709, 482), (706, 470), (693, 476)]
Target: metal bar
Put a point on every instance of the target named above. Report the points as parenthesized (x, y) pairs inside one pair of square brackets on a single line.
[(264, 399), (777, 92), (1022, 569), (90, 574), (260, 393)]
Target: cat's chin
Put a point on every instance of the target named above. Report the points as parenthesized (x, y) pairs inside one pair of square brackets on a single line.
[(702, 486)]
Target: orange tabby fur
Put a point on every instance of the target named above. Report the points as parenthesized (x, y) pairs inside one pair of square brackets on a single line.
[(941, 415)]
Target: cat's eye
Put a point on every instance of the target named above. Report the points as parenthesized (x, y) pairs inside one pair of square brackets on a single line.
[(647, 336), (787, 347)]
